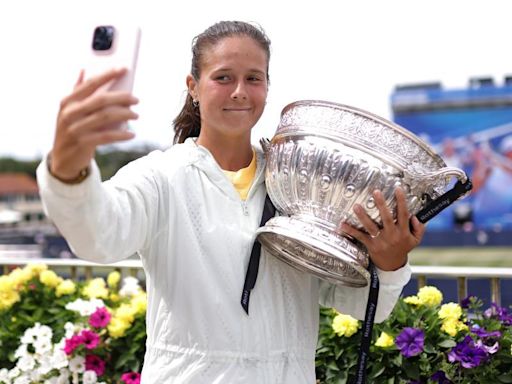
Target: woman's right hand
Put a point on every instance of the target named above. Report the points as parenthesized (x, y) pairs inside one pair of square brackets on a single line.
[(85, 120)]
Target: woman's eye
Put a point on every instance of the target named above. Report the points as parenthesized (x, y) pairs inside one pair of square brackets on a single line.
[(222, 78)]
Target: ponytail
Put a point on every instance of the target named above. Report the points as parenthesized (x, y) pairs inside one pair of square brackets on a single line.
[(188, 122)]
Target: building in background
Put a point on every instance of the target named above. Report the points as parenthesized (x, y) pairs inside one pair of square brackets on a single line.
[(471, 128)]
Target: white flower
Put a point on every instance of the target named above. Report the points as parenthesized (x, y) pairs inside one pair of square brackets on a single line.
[(22, 380), (77, 364), (59, 359), (45, 365), (89, 377), (15, 372), (70, 329), (85, 307), (29, 336), (4, 376), (130, 286), (44, 332), (63, 377), (51, 380), (26, 363), (21, 351), (43, 345), (75, 378)]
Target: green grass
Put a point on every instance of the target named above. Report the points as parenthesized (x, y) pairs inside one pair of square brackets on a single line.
[(462, 256)]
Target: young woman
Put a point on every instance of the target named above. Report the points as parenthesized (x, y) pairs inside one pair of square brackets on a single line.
[(191, 213)]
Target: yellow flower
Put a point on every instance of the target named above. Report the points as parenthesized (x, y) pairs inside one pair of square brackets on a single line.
[(384, 340), (117, 327), (8, 298), (430, 296), (96, 289), (6, 283), (139, 303), (125, 312), (20, 276), (452, 326), (450, 311), (66, 287), (413, 300), (35, 269), (50, 278), (344, 325), (114, 297), (113, 279)]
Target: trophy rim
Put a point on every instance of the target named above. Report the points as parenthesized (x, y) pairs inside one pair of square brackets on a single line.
[(369, 115)]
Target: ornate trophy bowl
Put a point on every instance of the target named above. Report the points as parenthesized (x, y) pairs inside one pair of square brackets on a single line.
[(323, 159)]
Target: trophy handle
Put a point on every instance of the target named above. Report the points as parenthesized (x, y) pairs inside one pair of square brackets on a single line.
[(444, 172), (434, 206)]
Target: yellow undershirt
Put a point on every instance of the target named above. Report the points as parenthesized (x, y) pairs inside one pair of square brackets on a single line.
[(243, 178)]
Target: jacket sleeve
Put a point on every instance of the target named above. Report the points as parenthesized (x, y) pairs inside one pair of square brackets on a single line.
[(103, 222), (352, 301)]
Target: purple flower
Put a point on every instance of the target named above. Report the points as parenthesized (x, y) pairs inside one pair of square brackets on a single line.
[(467, 354), (131, 378), (94, 363), (100, 318), (482, 333), (499, 313), (466, 302), (72, 343), (410, 341), (440, 378), (90, 339)]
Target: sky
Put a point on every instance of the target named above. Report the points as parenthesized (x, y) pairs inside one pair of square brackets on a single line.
[(350, 52)]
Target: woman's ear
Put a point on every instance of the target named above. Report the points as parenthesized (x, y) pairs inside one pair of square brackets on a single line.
[(191, 86)]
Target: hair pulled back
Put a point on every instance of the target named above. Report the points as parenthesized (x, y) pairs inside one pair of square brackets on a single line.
[(188, 122)]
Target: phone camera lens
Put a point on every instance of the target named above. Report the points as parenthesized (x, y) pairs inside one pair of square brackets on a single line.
[(103, 38)]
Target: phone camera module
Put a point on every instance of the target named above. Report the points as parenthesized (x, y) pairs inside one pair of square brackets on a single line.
[(103, 38)]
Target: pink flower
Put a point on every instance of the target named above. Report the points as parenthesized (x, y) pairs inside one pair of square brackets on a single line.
[(100, 318), (90, 339), (72, 343), (131, 378), (94, 363)]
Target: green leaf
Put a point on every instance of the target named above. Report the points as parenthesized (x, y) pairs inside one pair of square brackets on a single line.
[(505, 378), (448, 343)]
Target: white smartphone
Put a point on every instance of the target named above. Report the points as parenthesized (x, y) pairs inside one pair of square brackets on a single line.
[(113, 46)]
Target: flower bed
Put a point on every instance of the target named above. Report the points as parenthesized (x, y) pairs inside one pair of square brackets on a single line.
[(56, 331), (423, 341)]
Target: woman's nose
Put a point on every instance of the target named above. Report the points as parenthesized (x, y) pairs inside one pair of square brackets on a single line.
[(239, 92)]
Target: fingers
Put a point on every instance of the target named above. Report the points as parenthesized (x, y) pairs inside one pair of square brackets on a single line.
[(101, 119), (80, 79), (418, 229), (385, 214), (371, 227), (96, 103), (84, 89), (402, 212)]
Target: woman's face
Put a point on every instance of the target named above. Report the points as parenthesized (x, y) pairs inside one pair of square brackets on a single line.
[(232, 88)]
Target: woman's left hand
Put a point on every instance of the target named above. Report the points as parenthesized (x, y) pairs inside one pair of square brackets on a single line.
[(388, 246)]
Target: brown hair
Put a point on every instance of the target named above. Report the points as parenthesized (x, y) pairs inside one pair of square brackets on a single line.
[(188, 122)]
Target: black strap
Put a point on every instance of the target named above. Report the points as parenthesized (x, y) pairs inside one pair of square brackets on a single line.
[(369, 318), (433, 207), (269, 211)]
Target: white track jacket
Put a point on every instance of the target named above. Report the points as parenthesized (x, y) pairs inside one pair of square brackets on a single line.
[(194, 234)]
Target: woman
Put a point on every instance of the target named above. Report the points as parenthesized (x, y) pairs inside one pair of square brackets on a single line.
[(191, 213)]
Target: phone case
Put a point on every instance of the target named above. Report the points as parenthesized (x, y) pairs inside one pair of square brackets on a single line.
[(122, 54)]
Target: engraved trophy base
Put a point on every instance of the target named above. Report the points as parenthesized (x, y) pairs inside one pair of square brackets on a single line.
[(312, 247)]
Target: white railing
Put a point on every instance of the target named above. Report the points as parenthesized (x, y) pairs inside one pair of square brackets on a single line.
[(78, 268)]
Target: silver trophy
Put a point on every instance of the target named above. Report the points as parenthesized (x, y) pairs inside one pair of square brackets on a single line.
[(323, 159)]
